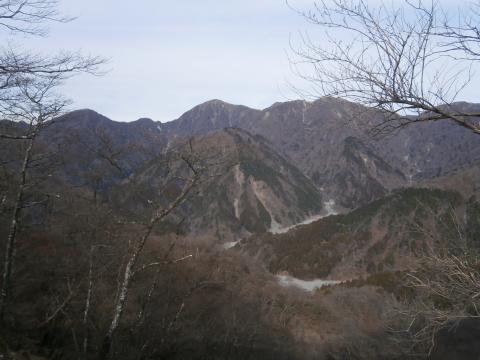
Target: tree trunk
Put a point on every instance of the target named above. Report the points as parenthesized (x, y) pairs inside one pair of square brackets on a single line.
[(12, 234), (129, 269), (86, 312)]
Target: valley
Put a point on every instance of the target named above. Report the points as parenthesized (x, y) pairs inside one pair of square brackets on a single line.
[(295, 242)]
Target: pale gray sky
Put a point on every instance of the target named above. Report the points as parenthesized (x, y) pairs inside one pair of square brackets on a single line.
[(168, 56)]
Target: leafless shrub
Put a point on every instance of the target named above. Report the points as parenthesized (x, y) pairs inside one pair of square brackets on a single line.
[(447, 292)]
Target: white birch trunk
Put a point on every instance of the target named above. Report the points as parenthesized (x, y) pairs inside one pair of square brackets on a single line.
[(122, 296)]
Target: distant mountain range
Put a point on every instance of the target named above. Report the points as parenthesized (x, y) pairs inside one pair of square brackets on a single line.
[(287, 162), (327, 140)]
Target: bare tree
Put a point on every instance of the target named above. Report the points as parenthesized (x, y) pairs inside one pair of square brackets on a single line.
[(19, 66), (28, 16), (36, 105), (27, 93), (195, 171), (407, 59)]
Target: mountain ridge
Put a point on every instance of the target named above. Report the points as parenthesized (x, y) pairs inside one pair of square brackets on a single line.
[(325, 140)]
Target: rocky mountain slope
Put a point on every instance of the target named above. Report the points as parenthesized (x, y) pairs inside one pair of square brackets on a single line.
[(255, 190), (329, 141), (318, 137)]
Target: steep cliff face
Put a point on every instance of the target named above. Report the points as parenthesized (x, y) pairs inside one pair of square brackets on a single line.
[(263, 191)]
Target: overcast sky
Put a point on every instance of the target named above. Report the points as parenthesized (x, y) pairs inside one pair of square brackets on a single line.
[(168, 56)]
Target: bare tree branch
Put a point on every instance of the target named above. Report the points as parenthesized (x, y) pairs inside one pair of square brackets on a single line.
[(404, 60)]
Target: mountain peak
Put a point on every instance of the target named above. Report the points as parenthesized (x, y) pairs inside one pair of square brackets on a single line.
[(84, 116), (214, 102), (209, 116), (85, 112), (144, 121), (219, 104)]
